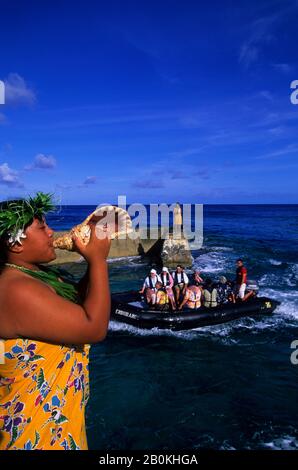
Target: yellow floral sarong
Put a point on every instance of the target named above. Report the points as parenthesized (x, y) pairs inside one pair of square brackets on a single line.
[(44, 389)]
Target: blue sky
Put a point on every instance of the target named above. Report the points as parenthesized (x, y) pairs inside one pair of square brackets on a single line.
[(157, 100)]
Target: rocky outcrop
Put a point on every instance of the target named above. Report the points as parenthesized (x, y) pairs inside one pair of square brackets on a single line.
[(176, 251)]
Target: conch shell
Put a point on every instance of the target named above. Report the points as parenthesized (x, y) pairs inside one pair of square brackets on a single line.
[(114, 219)]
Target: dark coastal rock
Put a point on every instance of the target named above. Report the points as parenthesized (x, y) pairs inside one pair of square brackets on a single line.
[(176, 251)]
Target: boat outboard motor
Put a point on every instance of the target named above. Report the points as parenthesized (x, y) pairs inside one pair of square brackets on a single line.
[(252, 286)]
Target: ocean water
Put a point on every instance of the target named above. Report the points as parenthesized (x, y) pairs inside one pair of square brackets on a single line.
[(230, 386)]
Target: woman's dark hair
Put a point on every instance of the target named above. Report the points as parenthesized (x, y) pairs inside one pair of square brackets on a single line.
[(4, 237), (3, 252)]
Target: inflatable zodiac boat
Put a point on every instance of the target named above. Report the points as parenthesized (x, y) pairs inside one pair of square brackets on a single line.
[(128, 308)]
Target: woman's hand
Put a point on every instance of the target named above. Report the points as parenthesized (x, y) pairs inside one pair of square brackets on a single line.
[(98, 247)]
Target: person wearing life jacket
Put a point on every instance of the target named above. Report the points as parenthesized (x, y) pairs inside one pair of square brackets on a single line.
[(241, 279), (149, 287), (192, 297), (210, 294), (168, 283), (181, 282), (162, 298), (225, 292)]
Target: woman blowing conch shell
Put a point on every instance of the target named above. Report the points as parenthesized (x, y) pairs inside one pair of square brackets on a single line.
[(46, 327), (110, 220)]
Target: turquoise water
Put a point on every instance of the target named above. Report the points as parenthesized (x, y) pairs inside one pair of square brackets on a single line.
[(230, 386)]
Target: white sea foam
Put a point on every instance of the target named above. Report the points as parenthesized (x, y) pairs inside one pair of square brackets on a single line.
[(126, 259), (288, 278), (226, 446), (282, 443), (216, 333), (275, 262), (294, 270), (269, 279), (212, 262), (222, 248), (133, 330), (288, 309)]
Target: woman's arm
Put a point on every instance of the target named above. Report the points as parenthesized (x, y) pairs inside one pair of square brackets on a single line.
[(141, 291), (82, 285), (33, 310), (186, 298)]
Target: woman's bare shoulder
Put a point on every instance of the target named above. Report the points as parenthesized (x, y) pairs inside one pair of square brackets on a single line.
[(8, 279), (13, 283), (10, 282), (16, 289)]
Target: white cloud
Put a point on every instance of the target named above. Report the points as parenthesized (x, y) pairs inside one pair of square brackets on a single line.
[(248, 54), (17, 91), (9, 177), (177, 174), (266, 94), (90, 180), (42, 162), (289, 149), (259, 36), (284, 68), (149, 184), (276, 131)]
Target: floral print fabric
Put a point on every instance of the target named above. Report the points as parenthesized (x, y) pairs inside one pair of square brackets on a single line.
[(44, 389)]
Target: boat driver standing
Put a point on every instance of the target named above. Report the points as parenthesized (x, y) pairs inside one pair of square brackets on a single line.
[(241, 279)]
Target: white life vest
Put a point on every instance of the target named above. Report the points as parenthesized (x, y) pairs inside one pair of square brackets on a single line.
[(150, 282), (210, 298), (165, 279), (180, 278)]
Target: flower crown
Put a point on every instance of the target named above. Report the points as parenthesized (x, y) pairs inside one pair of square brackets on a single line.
[(17, 214)]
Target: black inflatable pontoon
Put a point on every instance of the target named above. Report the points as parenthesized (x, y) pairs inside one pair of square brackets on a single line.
[(128, 308)]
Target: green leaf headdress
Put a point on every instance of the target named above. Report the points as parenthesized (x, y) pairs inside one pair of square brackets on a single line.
[(16, 215)]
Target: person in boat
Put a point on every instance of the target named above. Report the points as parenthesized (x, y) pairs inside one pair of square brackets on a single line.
[(192, 298), (46, 326), (149, 287), (162, 298), (181, 282), (197, 280), (241, 280), (168, 283), (225, 292), (209, 294)]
